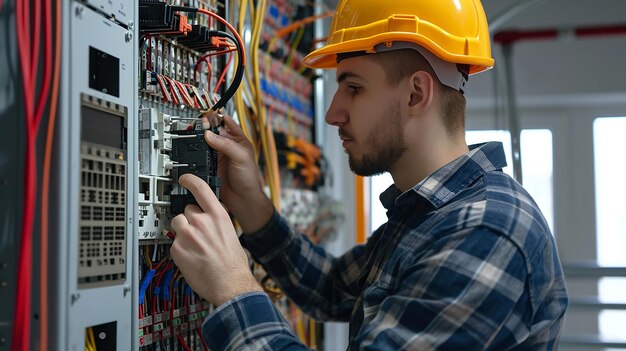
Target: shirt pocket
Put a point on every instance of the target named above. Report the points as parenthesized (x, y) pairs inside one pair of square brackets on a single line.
[(373, 298)]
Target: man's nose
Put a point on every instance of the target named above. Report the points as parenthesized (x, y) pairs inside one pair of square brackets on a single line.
[(336, 114)]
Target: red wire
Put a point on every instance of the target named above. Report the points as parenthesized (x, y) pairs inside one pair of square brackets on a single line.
[(205, 59), (35, 40), (45, 89), (173, 88), (183, 343), (230, 28), (21, 330), (24, 53), (184, 93), (45, 187), (221, 80), (204, 345)]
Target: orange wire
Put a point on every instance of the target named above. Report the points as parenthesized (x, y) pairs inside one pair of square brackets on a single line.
[(45, 187), (295, 25), (230, 28), (361, 237)]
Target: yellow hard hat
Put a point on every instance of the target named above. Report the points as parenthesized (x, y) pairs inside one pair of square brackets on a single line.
[(455, 31)]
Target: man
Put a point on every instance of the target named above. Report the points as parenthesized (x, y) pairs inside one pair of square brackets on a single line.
[(466, 260)]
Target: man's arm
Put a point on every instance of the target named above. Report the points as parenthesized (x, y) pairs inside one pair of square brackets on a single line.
[(467, 293), (323, 286)]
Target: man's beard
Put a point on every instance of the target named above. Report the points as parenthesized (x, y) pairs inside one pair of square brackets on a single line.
[(385, 144)]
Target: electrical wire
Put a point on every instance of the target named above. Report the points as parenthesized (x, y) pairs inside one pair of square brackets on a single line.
[(236, 38), (45, 187), (90, 341), (294, 46), (205, 347), (303, 22), (29, 62), (222, 77), (183, 343)]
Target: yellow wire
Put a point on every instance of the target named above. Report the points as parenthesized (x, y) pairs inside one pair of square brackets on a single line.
[(294, 45), (90, 342), (271, 167), (300, 325), (312, 334)]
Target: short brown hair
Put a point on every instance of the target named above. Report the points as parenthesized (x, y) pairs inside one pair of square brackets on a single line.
[(399, 64)]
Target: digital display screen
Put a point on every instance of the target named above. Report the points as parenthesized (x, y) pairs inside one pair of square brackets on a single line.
[(102, 128)]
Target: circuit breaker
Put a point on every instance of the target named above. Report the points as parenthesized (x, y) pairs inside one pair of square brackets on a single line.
[(136, 82)]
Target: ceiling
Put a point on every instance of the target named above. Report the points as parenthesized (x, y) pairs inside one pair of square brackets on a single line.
[(553, 13)]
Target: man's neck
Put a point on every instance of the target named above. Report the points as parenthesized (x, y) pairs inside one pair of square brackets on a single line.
[(418, 163)]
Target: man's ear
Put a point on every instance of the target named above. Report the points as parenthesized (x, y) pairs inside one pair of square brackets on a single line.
[(421, 85)]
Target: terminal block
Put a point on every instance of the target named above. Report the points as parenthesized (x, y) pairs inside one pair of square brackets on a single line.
[(191, 154)]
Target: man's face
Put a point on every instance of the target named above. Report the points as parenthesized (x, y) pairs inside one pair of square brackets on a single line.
[(367, 111)]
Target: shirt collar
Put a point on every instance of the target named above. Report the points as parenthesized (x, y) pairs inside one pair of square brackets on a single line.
[(441, 186)]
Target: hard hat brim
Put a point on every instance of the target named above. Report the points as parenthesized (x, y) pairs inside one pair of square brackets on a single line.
[(326, 57)]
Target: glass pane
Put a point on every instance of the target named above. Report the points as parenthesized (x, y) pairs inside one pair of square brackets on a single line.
[(536, 164), (609, 150), (537, 169), (378, 213)]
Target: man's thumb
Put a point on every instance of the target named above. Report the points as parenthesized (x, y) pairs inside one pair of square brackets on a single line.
[(224, 145)]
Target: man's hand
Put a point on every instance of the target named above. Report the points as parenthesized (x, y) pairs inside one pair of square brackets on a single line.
[(206, 247), (241, 189)]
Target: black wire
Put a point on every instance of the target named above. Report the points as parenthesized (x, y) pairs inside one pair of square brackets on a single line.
[(234, 85)]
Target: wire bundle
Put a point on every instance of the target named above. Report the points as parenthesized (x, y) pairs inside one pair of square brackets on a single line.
[(29, 42), (254, 115), (166, 303)]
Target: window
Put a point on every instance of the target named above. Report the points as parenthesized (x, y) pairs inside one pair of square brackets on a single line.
[(378, 213), (537, 163), (609, 149), (537, 168)]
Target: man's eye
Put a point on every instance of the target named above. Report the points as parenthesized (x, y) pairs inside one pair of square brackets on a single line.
[(354, 89)]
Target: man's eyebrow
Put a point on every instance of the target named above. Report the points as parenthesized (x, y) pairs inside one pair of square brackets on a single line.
[(345, 75)]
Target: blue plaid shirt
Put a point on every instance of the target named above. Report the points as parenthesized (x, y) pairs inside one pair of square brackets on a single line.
[(465, 262)]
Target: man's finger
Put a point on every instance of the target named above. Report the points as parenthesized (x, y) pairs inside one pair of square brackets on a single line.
[(226, 146), (192, 212), (233, 128), (178, 223), (201, 192)]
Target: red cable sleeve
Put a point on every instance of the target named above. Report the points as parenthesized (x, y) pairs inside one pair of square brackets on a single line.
[(35, 41), (183, 343), (45, 89), (221, 80), (20, 339)]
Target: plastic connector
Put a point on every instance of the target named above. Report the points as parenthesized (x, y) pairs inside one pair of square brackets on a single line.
[(191, 154), (157, 17), (154, 16)]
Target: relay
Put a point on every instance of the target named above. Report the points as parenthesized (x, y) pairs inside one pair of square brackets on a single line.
[(192, 155)]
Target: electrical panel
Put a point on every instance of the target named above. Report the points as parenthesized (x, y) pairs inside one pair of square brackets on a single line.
[(181, 77), (103, 162), (140, 83)]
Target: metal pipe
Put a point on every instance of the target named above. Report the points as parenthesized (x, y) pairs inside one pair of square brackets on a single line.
[(592, 270), (501, 19), (593, 303), (511, 103), (592, 342), (509, 37)]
